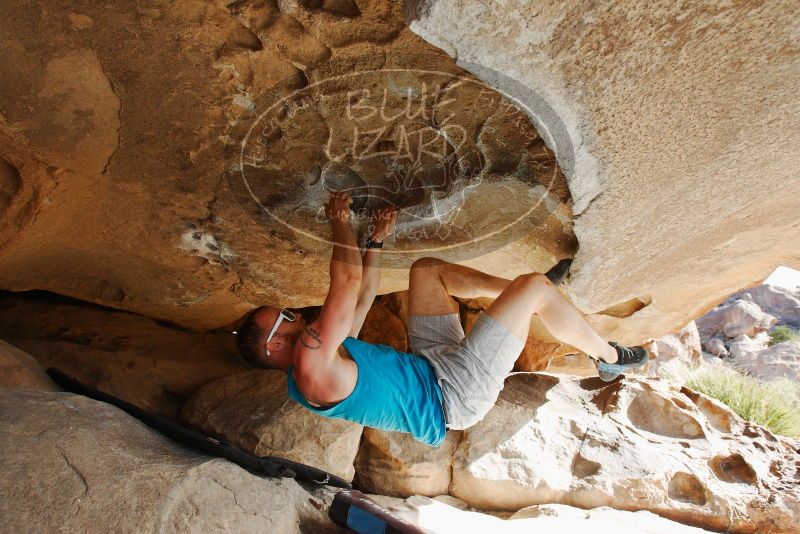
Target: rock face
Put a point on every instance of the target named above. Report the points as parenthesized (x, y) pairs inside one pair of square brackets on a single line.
[(147, 146), (253, 410), (393, 463), (682, 346), (781, 360), (741, 317), (70, 464), (637, 444), (445, 514), (779, 302), (744, 346), (623, 90), (19, 370), (737, 329), (383, 327), (153, 366), (181, 176)]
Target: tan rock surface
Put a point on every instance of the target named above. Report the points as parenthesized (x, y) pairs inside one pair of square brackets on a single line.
[(637, 444), (253, 410), (780, 302), (781, 360), (445, 514), (121, 131), (19, 370), (383, 327), (742, 317), (681, 348), (70, 464), (573, 364), (677, 137), (394, 463), (153, 366)]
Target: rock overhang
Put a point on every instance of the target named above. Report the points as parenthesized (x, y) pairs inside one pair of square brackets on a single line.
[(159, 220)]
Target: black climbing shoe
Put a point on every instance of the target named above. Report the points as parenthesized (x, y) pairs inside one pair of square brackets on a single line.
[(628, 358), (559, 271)]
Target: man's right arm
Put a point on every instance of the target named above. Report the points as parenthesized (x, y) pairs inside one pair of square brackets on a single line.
[(321, 339)]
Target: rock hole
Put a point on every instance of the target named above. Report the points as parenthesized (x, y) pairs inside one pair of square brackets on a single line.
[(339, 177), (717, 417), (607, 398), (240, 38), (9, 184), (653, 413), (752, 430), (687, 488), (9, 178), (343, 8), (627, 308), (583, 467), (733, 469), (576, 431), (680, 404), (5, 201), (775, 469)]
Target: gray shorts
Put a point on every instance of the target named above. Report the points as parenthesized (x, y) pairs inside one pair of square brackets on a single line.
[(471, 369)]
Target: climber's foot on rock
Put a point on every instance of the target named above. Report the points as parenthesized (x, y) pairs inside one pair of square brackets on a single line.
[(559, 271), (628, 359)]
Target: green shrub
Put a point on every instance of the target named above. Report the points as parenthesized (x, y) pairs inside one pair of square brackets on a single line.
[(782, 333), (774, 404)]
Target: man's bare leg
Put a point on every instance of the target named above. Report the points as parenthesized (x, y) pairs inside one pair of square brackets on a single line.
[(434, 280), (534, 294)]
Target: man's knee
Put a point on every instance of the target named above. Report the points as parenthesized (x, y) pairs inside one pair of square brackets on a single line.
[(427, 262), (533, 280)]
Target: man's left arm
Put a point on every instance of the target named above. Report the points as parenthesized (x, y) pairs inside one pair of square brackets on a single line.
[(383, 222)]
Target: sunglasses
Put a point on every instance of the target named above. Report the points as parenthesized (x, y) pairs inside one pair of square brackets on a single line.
[(284, 315)]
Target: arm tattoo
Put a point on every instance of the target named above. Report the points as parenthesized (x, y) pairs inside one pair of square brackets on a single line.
[(313, 333)]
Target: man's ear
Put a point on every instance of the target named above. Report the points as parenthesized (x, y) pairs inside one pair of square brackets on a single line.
[(277, 344)]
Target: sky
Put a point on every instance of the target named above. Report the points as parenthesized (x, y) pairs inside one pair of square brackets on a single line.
[(784, 277)]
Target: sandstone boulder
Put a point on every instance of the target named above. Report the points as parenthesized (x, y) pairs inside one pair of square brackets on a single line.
[(782, 303), (781, 360), (70, 464), (741, 317), (394, 463), (154, 366), (717, 347), (383, 327), (683, 347), (744, 346), (636, 444), (445, 514), (143, 145), (253, 410), (19, 370), (577, 364), (665, 233)]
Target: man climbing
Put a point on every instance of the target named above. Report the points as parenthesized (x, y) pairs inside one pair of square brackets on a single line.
[(449, 380)]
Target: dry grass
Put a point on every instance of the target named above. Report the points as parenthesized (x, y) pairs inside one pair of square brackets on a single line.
[(774, 404), (782, 333)]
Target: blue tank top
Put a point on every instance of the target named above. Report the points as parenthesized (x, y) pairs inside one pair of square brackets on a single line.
[(394, 391)]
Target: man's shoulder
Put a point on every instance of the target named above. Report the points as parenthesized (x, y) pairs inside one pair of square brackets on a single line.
[(325, 382)]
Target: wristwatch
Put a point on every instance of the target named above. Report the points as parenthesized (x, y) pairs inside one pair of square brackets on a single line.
[(374, 244)]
